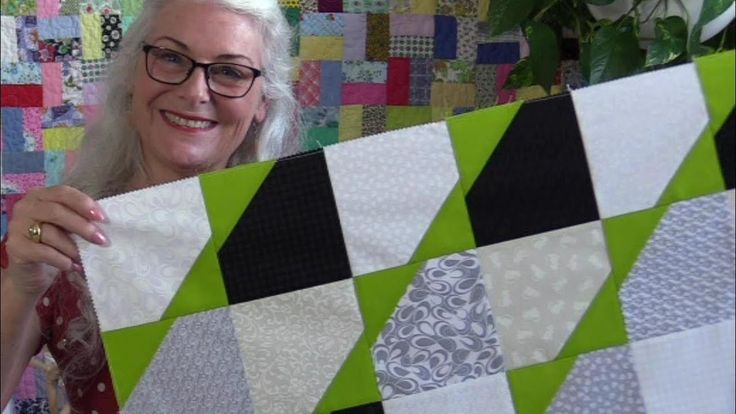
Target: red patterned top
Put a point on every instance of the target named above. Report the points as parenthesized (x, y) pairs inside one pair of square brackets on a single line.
[(56, 308)]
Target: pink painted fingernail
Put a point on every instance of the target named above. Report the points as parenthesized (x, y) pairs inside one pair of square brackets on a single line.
[(100, 239), (77, 267), (97, 214)]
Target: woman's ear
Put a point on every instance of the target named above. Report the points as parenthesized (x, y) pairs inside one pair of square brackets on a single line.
[(261, 111)]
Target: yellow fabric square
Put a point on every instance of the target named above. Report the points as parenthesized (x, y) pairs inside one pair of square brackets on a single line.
[(91, 36), (453, 94), (295, 65), (290, 3), (440, 114), (535, 91), (351, 122), (483, 6), (321, 48), (62, 138), (423, 6)]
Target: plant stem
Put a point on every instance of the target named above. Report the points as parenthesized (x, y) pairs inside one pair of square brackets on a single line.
[(544, 10)]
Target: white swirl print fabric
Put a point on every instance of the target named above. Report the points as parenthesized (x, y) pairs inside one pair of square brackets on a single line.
[(197, 369), (637, 131), (602, 382), (541, 286), (155, 237), (294, 344), (685, 276), (441, 333), (688, 372), (388, 189)]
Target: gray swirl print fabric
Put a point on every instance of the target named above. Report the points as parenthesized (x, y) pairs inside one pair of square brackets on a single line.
[(442, 331)]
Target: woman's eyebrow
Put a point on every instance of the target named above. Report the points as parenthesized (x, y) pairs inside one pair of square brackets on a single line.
[(224, 56)]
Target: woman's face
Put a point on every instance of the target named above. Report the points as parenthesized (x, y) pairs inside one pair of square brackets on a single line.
[(186, 129)]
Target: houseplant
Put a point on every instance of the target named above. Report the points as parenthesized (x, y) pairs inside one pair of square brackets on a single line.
[(610, 46)]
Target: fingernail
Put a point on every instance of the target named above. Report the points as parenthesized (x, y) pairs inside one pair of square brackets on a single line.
[(76, 267), (98, 214), (100, 239)]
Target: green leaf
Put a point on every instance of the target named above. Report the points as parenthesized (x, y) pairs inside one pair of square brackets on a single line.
[(711, 10), (615, 52), (585, 60), (505, 15), (521, 76), (670, 40), (544, 53), (599, 2)]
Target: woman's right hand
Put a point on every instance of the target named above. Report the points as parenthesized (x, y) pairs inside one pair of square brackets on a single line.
[(60, 211)]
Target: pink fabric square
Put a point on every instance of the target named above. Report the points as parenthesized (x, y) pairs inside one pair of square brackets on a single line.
[(412, 25), (308, 92), (22, 183), (92, 93), (70, 159), (32, 118), (504, 95), (53, 84), (48, 8), (354, 36), (364, 94)]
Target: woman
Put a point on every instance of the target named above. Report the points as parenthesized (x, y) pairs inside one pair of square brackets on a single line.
[(196, 87)]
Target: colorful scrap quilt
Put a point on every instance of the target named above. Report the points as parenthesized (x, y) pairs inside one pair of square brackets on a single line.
[(569, 254)]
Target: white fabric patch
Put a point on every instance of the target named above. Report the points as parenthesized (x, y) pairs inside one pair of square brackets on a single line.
[(294, 344), (388, 189), (639, 130), (688, 372), (8, 40), (155, 237), (477, 396), (541, 286)]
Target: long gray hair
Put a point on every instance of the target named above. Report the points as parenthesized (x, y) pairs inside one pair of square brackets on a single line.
[(110, 153)]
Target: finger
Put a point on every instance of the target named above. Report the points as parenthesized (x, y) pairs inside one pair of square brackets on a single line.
[(67, 219), (59, 240), (74, 199), (31, 252)]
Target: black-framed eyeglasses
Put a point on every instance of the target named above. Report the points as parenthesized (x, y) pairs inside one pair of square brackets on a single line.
[(173, 68)]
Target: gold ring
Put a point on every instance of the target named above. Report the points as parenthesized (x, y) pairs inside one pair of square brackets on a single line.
[(34, 232)]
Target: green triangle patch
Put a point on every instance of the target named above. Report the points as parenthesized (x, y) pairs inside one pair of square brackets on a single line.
[(355, 383), (719, 86), (203, 288), (626, 237), (379, 293), (227, 194), (602, 326), (450, 230), (534, 388), (475, 135), (699, 174), (130, 351)]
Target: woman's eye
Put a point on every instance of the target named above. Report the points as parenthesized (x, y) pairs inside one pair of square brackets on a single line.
[(228, 71), (171, 57)]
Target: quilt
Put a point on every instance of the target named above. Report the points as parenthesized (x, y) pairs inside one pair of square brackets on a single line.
[(568, 254)]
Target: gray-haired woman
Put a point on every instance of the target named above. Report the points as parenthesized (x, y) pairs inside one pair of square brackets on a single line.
[(197, 86)]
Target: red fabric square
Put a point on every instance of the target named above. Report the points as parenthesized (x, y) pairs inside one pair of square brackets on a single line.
[(21, 95), (364, 94), (329, 6), (308, 91), (399, 70)]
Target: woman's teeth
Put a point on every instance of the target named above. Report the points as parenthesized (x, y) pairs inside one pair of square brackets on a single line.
[(189, 123)]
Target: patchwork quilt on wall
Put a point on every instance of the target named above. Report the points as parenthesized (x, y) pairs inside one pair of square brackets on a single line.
[(574, 253), (360, 68)]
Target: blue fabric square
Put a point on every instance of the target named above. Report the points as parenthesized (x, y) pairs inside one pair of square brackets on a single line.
[(23, 162), (61, 27), (54, 162), (498, 53), (445, 37), (322, 24), (330, 83), (13, 140)]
